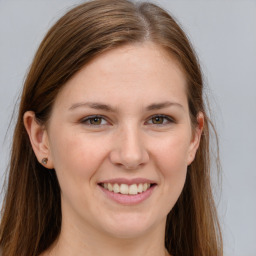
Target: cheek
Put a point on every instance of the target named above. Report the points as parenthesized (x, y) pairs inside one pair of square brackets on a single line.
[(172, 153), (171, 157), (76, 157)]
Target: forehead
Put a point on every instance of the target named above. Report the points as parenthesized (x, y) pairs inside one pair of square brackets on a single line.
[(134, 73)]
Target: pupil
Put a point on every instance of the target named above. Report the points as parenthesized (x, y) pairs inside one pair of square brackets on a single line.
[(158, 120), (96, 120)]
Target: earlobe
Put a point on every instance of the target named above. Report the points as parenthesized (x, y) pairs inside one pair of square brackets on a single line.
[(195, 142), (38, 138)]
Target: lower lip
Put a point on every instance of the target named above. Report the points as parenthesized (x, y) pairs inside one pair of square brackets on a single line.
[(128, 199)]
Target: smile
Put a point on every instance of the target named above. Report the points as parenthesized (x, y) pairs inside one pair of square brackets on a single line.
[(126, 189)]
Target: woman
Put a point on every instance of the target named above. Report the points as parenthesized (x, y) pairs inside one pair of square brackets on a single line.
[(110, 153)]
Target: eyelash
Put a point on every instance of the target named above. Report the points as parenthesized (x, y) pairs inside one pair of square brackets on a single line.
[(87, 119), (168, 120)]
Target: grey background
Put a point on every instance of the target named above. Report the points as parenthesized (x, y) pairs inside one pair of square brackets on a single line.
[(224, 36)]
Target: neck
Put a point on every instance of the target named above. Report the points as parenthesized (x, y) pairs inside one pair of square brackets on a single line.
[(74, 242)]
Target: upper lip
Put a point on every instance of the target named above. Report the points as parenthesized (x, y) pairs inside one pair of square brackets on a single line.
[(128, 181)]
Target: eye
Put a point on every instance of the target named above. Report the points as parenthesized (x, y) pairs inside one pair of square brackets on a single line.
[(94, 121), (160, 120)]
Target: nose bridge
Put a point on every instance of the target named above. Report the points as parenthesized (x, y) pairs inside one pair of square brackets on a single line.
[(130, 150)]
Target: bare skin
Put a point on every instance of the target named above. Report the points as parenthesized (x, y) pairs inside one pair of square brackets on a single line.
[(123, 116)]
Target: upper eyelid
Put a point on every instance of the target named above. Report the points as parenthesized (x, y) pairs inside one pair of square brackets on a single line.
[(161, 115), (169, 118), (92, 116), (84, 119)]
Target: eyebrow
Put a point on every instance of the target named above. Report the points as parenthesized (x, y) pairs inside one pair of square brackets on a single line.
[(166, 104), (108, 108), (93, 105)]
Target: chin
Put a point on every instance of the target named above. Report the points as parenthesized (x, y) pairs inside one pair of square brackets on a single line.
[(132, 226), (128, 233)]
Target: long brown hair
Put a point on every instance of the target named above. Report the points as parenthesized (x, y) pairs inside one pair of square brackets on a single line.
[(31, 214)]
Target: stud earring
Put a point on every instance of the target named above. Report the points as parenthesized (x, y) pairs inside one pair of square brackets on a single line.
[(44, 161)]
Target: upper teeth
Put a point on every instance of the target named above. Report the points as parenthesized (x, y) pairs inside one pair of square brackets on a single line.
[(125, 189)]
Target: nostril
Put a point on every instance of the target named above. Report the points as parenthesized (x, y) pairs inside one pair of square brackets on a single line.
[(129, 154)]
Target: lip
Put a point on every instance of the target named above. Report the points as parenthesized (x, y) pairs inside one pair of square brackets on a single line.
[(128, 199)]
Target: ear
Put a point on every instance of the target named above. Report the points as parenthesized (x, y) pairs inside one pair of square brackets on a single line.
[(39, 139), (196, 136)]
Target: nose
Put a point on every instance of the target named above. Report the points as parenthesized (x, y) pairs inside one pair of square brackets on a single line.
[(129, 150)]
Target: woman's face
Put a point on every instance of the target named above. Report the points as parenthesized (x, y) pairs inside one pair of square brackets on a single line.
[(122, 123)]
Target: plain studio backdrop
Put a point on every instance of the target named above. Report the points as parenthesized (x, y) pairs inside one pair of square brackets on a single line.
[(224, 36)]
